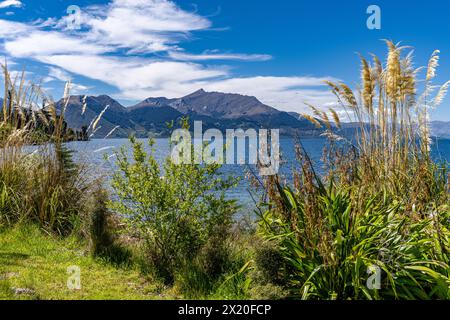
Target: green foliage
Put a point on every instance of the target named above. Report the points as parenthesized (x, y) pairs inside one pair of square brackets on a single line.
[(99, 227), (9, 205), (175, 210), (37, 262), (383, 203), (270, 263), (42, 189), (236, 286), (331, 249)]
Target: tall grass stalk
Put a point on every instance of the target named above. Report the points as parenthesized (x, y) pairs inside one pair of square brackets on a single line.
[(382, 202), (43, 186)]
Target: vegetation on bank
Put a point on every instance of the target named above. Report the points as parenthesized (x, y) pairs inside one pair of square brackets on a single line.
[(25, 108), (383, 204), (380, 212), (33, 265)]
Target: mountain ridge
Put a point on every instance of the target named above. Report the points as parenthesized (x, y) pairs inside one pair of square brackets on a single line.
[(215, 109), (150, 116)]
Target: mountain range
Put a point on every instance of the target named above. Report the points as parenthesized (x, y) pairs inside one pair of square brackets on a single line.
[(214, 109), (151, 116), (441, 129)]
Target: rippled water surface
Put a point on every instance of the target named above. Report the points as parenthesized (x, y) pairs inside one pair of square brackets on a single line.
[(94, 152)]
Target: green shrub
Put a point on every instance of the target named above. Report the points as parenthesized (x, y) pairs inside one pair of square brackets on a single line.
[(174, 215), (270, 263), (331, 247), (101, 229)]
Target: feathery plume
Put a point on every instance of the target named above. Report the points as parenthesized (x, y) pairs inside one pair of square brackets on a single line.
[(94, 125), (441, 94), (433, 63), (393, 72), (368, 84), (326, 120), (336, 119), (111, 132), (83, 110), (349, 96), (312, 120)]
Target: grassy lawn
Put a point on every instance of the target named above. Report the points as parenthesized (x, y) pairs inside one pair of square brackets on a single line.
[(34, 266)]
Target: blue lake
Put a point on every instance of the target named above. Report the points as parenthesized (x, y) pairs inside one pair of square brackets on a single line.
[(94, 152)]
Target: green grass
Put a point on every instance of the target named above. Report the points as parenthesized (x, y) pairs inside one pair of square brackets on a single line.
[(30, 259)]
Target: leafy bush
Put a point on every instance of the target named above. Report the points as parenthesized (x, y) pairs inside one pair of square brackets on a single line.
[(175, 210), (270, 263), (331, 249)]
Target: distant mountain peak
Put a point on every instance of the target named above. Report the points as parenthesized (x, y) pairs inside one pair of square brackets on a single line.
[(215, 109), (197, 93), (103, 96), (153, 103), (222, 105)]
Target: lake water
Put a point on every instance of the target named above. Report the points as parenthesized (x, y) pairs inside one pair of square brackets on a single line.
[(94, 151)]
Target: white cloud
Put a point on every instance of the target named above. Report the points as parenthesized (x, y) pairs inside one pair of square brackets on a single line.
[(37, 43), (132, 73), (11, 29), (77, 89), (10, 3), (57, 74), (141, 28), (213, 55)]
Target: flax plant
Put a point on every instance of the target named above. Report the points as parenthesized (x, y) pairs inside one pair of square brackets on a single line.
[(382, 202)]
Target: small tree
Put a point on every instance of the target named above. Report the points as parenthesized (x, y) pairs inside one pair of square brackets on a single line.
[(174, 209)]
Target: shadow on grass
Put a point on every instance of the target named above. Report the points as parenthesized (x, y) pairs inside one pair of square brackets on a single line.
[(116, 255), (12, 258)]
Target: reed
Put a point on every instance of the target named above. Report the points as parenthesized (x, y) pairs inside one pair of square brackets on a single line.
[(42, 186), (392, 139), (382, 202)]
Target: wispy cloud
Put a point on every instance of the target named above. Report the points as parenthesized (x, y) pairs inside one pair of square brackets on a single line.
[(76, 89), (10, 3), (11, 30), (141, 26), (129, 74), (56, 74), (214, 55), (135, 46), (34, 43)]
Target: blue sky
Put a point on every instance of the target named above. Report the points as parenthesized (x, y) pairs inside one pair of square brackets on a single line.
[(278, 51)]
